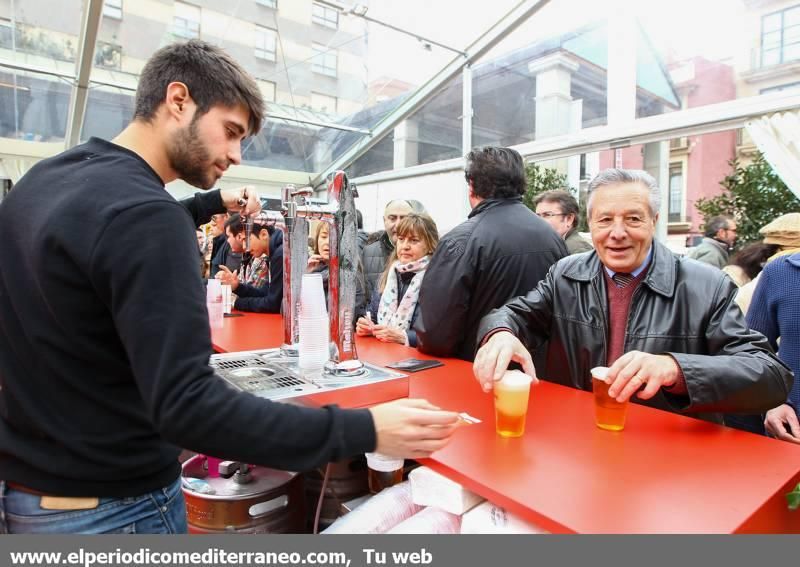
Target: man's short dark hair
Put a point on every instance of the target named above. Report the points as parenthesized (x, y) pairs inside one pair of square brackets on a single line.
[(495, 173), (211, 75), (564, 199), (716, 223), (234, 224), (359, 220)]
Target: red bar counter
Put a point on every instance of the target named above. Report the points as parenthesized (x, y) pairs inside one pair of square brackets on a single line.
[(664, 473)]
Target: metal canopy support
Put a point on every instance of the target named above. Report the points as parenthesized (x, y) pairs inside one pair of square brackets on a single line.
[(508, 23), (92, 13), (466, 110), (360, 11)]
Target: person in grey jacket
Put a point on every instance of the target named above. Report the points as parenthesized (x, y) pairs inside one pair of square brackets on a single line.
[(667, 327), (378, 249), (720, 236)]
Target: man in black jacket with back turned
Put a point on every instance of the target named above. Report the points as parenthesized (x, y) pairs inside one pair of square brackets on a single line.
[(499, 253)]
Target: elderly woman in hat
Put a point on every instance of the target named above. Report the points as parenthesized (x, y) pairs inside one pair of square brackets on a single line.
[(784, 232), (775, 312), (782, 235)]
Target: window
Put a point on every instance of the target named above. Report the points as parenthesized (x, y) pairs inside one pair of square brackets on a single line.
[(113, 9), (780, 36), (323, 60), (675, 192), (323, 103), (108, 55), (266, 43), (325, 16), (679, 143), (268, 3), (267, 90), (186, 22), (6, 33)]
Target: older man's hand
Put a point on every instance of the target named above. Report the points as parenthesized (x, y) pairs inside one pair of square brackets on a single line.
[(493, 358), (782, 423), (635, 369)]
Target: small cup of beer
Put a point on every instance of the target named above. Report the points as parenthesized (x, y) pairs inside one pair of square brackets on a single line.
[(511, 403), (383, 471), (609, 413)]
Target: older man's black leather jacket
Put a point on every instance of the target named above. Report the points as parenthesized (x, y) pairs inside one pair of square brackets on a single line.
[(682, 307)]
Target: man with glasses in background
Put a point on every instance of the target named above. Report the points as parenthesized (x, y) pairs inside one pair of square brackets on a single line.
[(720, 236), (561, 211)]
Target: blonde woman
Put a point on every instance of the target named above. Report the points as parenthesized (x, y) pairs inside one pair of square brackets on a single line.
[(395, 304), (318, 264)]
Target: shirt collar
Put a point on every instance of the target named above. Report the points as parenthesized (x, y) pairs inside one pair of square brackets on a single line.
[(635, 273)]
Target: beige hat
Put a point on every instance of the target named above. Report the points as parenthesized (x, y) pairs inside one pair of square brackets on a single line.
[(783, 231)]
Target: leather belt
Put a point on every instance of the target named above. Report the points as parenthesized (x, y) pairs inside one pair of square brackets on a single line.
[(53, 502), (15, 486)]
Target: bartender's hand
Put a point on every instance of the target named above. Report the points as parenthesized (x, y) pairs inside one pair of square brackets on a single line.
[(314, 261), (226, 276), (232, 199), (364, 327), (635, 369), (782, 423), (493, 358), (412, 428), (387, 334)]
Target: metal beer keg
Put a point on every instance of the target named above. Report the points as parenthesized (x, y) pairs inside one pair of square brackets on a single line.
[(237, 498)]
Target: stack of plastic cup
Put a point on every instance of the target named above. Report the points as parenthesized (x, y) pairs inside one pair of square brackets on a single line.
[(313, 349), (214, 302)]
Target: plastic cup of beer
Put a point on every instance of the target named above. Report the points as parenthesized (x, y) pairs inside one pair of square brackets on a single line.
[(383, 471), (511, 403), (609, 413)]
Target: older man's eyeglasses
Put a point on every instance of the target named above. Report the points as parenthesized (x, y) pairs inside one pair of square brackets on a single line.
[(549, 215)]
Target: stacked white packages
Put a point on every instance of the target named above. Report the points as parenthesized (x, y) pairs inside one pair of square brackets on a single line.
[(379, 514), (489, 518), (429, 521), (429, 488)]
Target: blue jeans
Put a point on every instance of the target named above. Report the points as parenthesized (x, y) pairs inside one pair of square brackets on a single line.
[(162, 511)]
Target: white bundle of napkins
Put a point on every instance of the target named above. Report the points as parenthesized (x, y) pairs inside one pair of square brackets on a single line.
[(429, 488)]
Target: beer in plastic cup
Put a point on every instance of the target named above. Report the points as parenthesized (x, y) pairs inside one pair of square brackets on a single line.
[(511, 403), (609, 413), (383, 471)]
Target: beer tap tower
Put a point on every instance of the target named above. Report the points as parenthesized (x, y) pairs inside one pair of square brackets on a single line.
[(340, 214)]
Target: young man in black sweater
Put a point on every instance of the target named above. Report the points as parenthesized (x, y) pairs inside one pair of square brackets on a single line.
[(104, 335)]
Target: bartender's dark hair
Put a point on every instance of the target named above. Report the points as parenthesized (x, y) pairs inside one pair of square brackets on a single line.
[(495, 173), (211, 75)]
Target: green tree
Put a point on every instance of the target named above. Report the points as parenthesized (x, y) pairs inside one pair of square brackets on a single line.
[(540, 179), (754, 195)]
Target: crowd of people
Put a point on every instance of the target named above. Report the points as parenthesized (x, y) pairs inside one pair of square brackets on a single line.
[(105, 340)]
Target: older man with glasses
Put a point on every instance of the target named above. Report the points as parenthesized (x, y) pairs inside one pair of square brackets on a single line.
[(561, 211)]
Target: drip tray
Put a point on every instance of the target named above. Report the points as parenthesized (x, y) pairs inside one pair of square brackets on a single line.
[(271, 374)]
